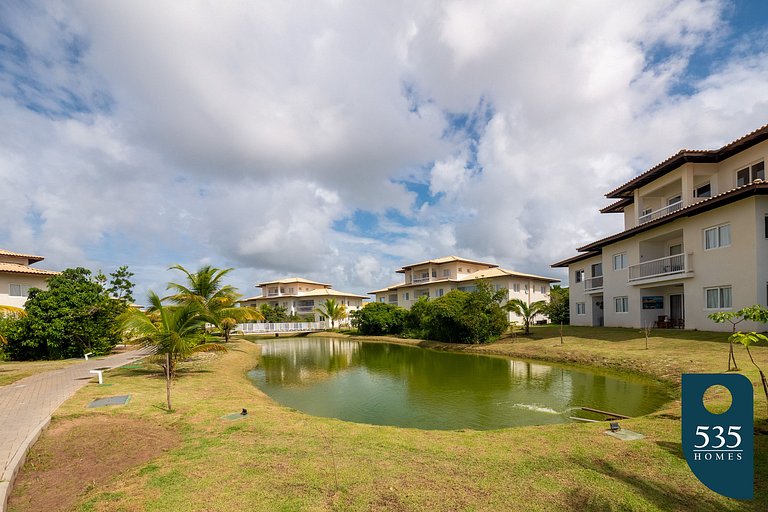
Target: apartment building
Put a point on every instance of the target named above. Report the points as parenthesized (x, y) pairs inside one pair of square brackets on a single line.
[(695, 242), (434, 278), (17, 277), (302, 297)]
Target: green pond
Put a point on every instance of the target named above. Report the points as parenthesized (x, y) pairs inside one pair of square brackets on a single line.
[(405, 386)]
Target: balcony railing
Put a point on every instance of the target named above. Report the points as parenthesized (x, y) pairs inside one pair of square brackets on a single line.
[(648, 217), (593, 283), (417, 280), (668, 266)]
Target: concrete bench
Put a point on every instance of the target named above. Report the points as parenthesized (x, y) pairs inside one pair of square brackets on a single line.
[(100, 373)]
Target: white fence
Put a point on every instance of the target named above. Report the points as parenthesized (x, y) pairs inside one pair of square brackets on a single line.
[(270, 328)]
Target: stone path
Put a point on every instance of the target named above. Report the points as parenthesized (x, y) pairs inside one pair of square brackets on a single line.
[(26, 407)]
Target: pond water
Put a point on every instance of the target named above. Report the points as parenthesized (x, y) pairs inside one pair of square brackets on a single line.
[(405, 386)]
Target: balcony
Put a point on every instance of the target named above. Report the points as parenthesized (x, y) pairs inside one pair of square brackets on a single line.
[(661, 269), (593, 284), (417, 280), (648, 217)]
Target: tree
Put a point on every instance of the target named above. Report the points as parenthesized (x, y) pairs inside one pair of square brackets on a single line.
[(75, 315), (120, 285), (734, 318), (333, 310), (754, 313), (558, 308), (525, 311), (215, 300), (171, 332), (8, 315), (273, 314)]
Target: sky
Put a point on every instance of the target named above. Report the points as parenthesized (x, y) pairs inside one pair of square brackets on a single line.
[(340, 140)]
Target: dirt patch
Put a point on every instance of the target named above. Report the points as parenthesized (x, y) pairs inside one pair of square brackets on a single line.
[(76, 455)]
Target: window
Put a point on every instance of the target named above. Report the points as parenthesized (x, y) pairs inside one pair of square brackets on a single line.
[(703, 190), (622, 304), (434, 273), (597, 270), (446, 272), (581, 308), (718, 298), (579, 276), (382, 299), (516, 287), (766, 226), (719, 236), (543, 289), (291, 290), (750, 174), (406, 296), (20, 290), (619, 261), (439, 292)]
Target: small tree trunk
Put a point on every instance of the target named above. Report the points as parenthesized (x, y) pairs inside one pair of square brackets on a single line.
[(731, 357), (168, 379), (561, 333), (762, 375)]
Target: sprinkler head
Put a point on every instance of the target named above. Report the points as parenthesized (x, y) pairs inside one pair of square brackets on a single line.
[(244, 412)]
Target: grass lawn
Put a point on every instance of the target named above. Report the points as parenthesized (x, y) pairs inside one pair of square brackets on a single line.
[(11, 371), (280, 459)]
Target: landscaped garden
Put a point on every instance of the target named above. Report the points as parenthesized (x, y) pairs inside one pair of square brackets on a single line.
[(275, 458)]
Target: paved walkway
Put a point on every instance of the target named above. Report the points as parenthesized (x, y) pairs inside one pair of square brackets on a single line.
[(26, 407)]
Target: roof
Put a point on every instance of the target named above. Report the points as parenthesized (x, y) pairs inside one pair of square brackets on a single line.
[(289, 280), (320, 292), (488, 273), (445, 259), (16, 268), (500, 272), (577, 258), (618, 206), (697, 156), (31, 257), (758, 187)]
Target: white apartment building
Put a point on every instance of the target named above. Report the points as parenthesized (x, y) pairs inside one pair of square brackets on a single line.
[(17, 277), (695, 242), (434, 278), (302, 297)]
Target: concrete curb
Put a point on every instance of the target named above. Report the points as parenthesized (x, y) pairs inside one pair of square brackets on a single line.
[(17, 462)]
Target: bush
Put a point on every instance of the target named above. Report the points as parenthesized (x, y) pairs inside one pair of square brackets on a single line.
[(379, 318), (465, 317)]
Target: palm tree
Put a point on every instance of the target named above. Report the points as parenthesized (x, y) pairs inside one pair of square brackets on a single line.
[(225, 315), (333, 310), (216, 300), (525, 310), (171, 332)]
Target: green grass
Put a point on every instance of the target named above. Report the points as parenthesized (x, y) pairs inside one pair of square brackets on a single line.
[(279, 459)]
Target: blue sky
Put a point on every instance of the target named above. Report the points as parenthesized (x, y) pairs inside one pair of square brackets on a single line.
[(339, 141)]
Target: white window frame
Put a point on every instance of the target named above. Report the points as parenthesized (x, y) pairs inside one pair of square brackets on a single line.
[(446, 272), (23, 290), (720, 296), (406, 296), (516, 287), (581, 308), (622, 261), (439, 292), (752, 173), (621, 304), (579, 276), (718, 239)]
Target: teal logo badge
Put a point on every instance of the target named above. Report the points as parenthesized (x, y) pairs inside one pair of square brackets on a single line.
[(719, 448)]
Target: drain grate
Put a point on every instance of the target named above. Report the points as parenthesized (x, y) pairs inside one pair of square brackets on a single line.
[(110, 400)]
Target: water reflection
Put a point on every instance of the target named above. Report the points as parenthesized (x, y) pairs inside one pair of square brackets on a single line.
[(412, 387)]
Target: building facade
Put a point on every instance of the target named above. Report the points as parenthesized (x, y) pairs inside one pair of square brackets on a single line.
[(302, 297), (695, 242), (17, 277), (434, 278)]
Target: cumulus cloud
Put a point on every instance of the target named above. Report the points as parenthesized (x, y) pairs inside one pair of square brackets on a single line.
[(341, 140)]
